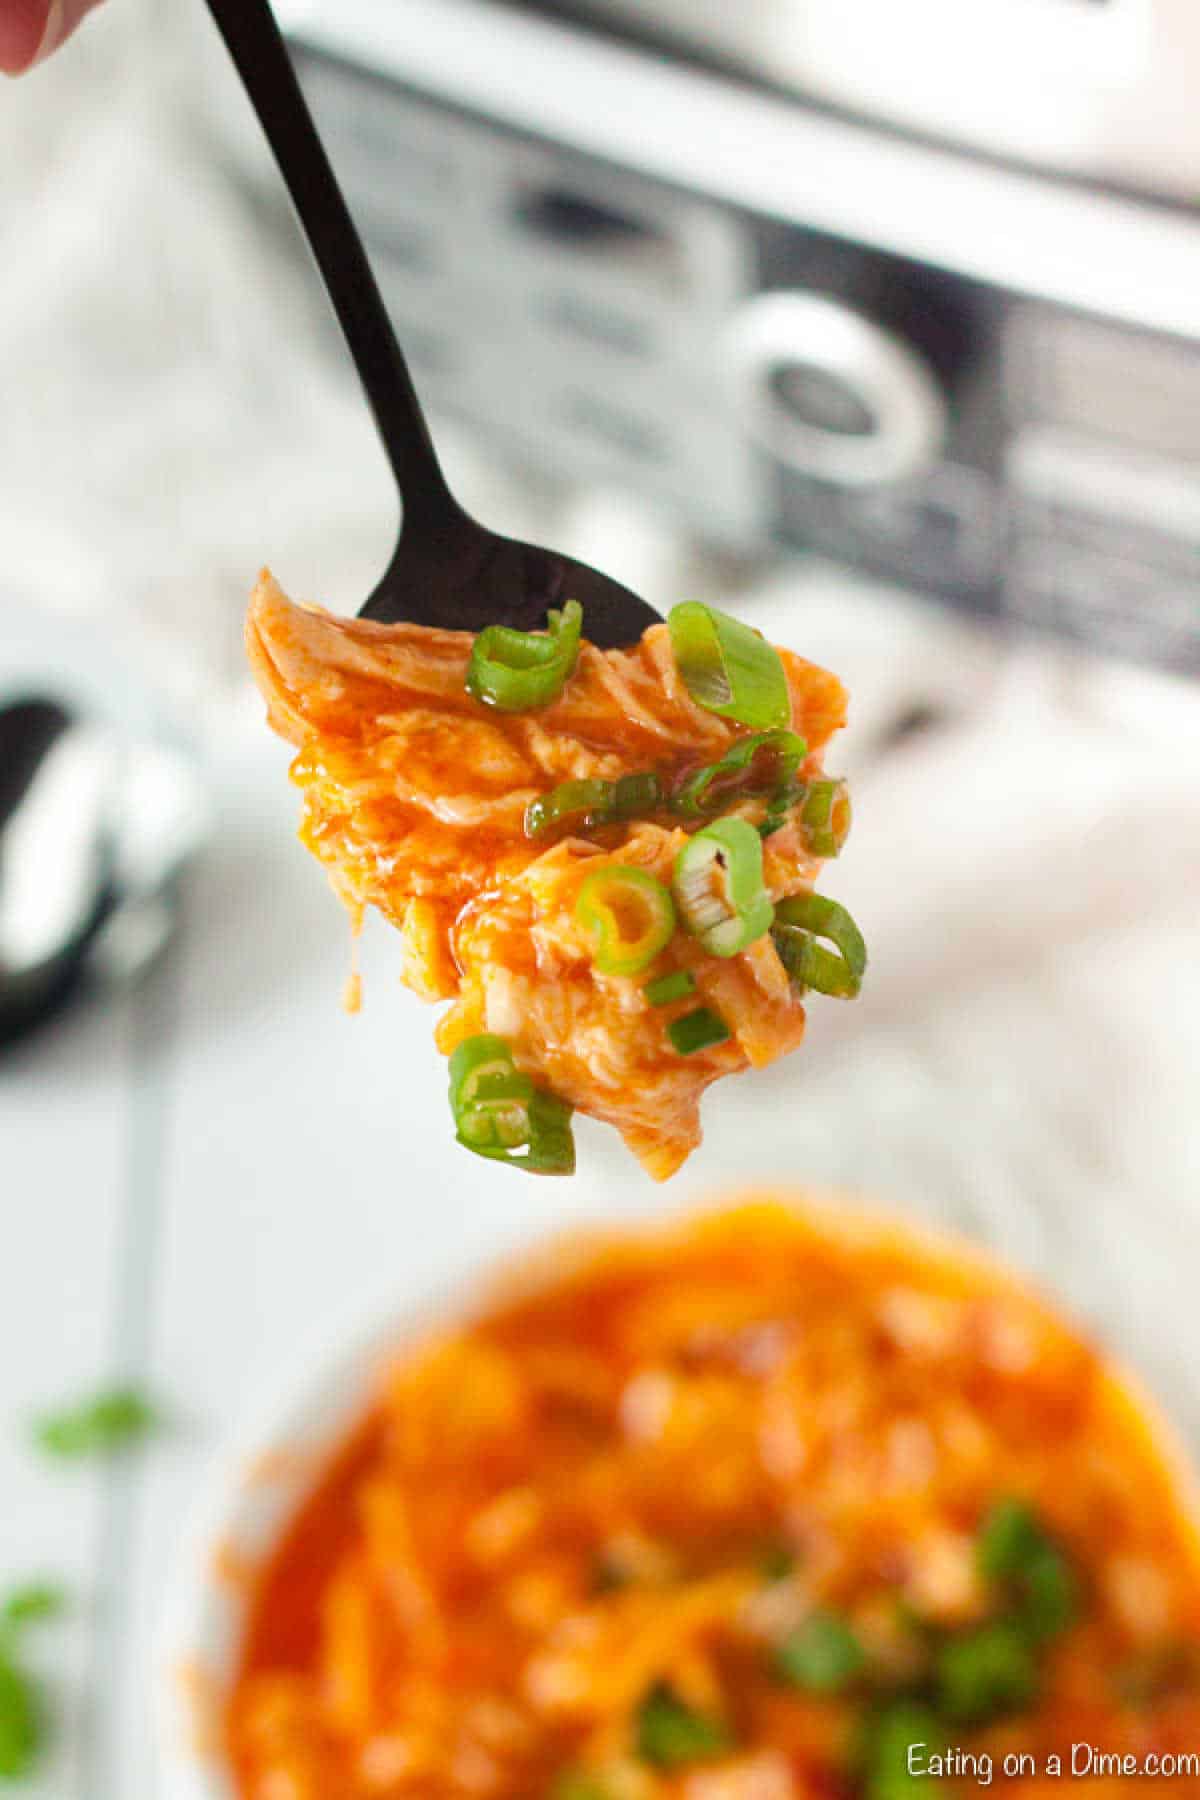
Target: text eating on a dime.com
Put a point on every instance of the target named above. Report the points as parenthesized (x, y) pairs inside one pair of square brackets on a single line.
[(1080, 1762)]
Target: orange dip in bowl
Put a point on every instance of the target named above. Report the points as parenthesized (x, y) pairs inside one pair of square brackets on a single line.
[(775, 1505)]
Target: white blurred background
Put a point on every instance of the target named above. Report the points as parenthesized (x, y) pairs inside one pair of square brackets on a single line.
[(207, 1168)]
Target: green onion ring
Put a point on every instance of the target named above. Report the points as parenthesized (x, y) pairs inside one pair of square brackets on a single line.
[(728, 668), (719, 888), (500, 1114), (572, 805), (584, 805), (764, 763), (799, 922), (515, 671), (825, 816), (630, 916), (699, 1030)]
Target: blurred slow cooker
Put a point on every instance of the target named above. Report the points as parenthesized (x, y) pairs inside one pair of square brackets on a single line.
[(641, 247)]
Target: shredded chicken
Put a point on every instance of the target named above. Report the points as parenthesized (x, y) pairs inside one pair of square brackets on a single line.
[(414, 800), (567, 1512)]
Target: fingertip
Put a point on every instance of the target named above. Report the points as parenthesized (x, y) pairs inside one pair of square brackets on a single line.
[(22, 29), (31, 30)]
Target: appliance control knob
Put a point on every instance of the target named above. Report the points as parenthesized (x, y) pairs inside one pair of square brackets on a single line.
[(832, 394)]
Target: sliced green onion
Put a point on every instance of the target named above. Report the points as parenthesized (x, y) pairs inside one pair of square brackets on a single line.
[(21, 1726), (20, 1721), (778, 808), (823, 1655), (729, 668), (1009, 1536), (1050, 1596), (698, 1030), (573, 805), (671, 1734), (799, 922), (111, 1421), (636, 796), (1015, 1550), (500, 1114), (32, 1604), (582, 805), (675, 986), (719, 888), (889, 1735), (630, 915), (483, 1065), (825, 814), (515, 671), (551, 1141), (762, 764), (984, 1674), (825, 817)]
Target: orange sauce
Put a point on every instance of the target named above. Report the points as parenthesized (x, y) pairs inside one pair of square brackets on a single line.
[(650, 1471), (415, 799)]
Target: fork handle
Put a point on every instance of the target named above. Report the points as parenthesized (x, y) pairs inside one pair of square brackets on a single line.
[(256, 45)]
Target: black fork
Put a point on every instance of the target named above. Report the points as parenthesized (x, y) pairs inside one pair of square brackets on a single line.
[(447, 569)]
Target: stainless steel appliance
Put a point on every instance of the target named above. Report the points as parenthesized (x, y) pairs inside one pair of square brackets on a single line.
[(654, 246)]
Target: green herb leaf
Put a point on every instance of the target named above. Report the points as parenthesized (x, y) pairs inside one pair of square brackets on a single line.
[(670, 1734), (20, 1721), (983, 1675), (29, 1605), (113, 1420), (823, 1655)]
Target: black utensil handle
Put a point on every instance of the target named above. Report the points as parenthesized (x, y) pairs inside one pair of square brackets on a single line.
[(253, 40)]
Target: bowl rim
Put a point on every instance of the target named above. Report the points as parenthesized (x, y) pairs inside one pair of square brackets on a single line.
[(295, 1423), (302, 1420)]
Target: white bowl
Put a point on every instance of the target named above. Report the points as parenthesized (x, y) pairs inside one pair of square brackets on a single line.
[(259, 1480), (272, 1463), (269, 1466)]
